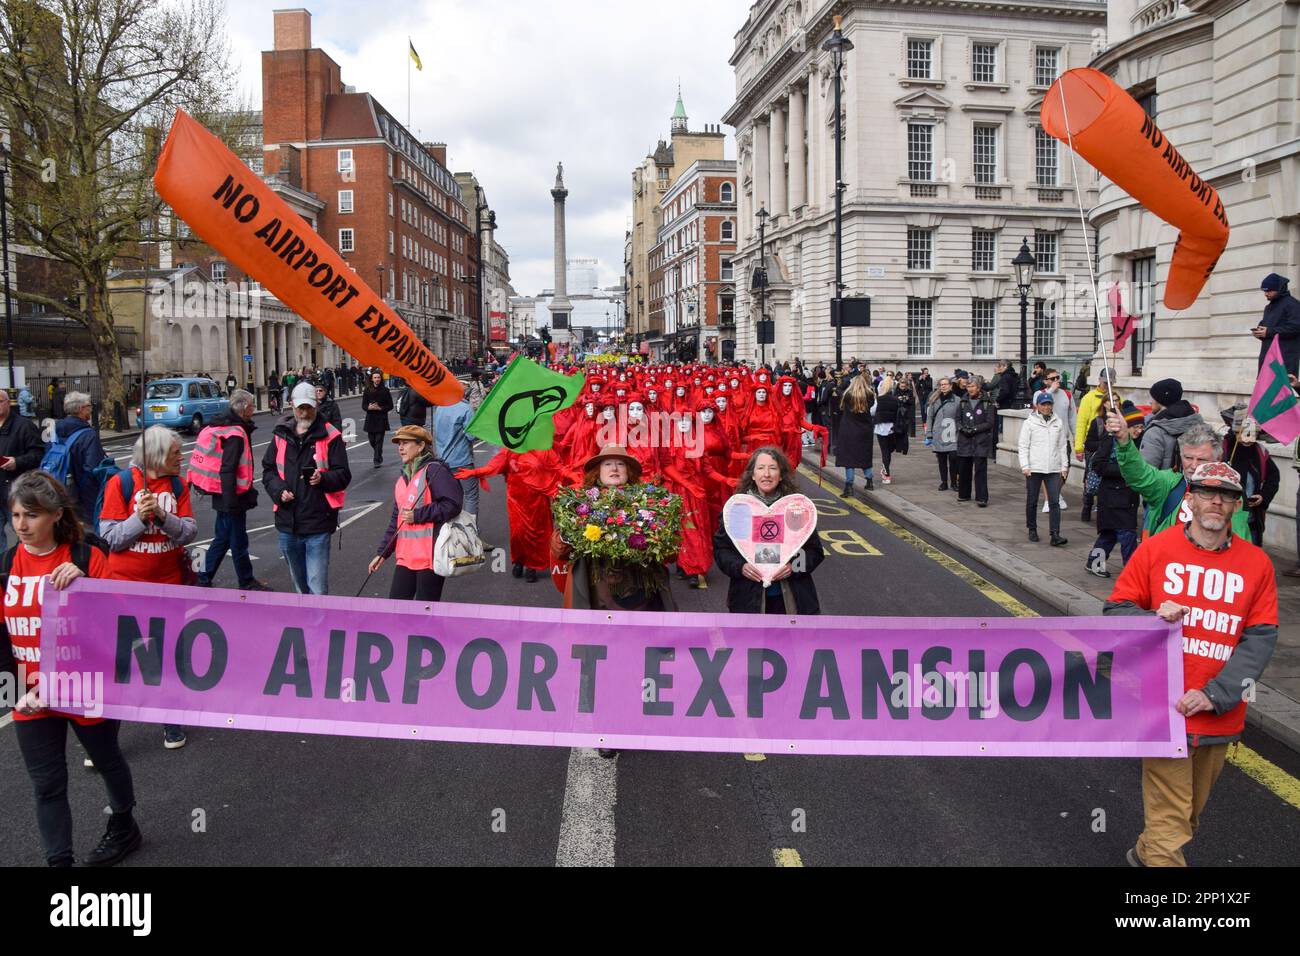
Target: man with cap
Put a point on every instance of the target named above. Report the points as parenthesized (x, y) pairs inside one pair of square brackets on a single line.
[(1044, 460), (1171, 416), (1091, 406), (1222, 590), (425, 497), (305, 471), (1281, 318)]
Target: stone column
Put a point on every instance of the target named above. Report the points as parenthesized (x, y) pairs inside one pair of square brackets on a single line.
[(281, 353), (798, 162), (762, 181), (776, 163), (259, 357), (234, 359)]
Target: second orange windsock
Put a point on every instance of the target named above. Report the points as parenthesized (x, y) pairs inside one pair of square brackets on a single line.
[(1111, 131)]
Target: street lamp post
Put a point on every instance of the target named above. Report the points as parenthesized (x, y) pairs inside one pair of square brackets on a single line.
[(838, 45), (760, 280), (1024, 263), (4, 250)]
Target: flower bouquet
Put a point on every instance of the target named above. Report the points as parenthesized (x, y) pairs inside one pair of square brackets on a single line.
[(627, 533)]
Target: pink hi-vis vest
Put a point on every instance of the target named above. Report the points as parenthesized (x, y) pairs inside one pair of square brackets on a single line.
[(205, 461), (414, 541), (335, 498)]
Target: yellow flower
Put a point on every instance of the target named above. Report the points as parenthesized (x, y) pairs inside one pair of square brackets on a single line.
[(591, 533)]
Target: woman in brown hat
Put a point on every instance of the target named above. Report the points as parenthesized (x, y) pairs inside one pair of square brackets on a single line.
[(611, 587), (424, 497)]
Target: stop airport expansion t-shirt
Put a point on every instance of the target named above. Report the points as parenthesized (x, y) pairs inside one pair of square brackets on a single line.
[(24, 595), (1226, 591), (153, 555)]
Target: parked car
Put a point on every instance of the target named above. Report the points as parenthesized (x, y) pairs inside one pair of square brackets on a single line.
[(182, 403)]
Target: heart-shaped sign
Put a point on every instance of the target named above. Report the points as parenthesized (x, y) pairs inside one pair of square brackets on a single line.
[(768, 536)]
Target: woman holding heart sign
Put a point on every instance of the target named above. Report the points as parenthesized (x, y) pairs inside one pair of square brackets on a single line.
[(767, 520)]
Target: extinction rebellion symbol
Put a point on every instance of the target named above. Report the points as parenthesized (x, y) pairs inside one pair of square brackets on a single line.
[(769, 530)]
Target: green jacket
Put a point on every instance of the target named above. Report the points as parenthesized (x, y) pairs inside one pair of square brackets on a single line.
[(1155, 485)]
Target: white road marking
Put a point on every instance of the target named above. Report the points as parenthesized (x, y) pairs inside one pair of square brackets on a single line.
[(587, 821), (7, 719), (365, 511)]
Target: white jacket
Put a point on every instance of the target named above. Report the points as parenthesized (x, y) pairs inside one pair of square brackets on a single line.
[(1044, 445)]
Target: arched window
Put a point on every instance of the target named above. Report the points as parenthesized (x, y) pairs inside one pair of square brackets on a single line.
[(728, 193), (728, 230)]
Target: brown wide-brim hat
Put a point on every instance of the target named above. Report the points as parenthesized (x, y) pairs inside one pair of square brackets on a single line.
[(412, 433), (614, 451)]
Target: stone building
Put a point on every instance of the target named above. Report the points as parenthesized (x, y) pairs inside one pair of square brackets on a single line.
[(945, 171)]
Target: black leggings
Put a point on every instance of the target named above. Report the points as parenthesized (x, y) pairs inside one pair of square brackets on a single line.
[(416, 585), (886, 450), (944, 462), (43, 743), (377, 443)]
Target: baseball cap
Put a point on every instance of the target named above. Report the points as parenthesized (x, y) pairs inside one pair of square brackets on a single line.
[(304, 393), (1215, 474), (1044, 398)]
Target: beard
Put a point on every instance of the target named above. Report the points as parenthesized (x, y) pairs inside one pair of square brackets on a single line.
[(1212, 522)]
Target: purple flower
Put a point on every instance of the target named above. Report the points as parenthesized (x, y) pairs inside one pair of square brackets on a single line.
[(593, 493), (637, 542), (584, 510)]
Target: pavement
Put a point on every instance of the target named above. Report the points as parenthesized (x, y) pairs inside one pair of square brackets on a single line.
[(995, 538), (244, 798)]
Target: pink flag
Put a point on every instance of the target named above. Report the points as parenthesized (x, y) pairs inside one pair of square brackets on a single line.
[(1123, 324), (1274, 404)]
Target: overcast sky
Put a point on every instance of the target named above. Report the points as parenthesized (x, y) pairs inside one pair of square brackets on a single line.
[(513, 86)]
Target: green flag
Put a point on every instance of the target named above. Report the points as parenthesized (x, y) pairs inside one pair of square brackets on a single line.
[(517, 414)]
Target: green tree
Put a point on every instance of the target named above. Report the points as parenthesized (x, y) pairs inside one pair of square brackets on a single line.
[(89, 89)]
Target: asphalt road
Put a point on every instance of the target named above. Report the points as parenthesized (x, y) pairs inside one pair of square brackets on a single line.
[(238, 798)]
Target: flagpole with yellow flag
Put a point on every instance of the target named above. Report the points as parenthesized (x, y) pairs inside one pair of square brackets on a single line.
[(419, 66)]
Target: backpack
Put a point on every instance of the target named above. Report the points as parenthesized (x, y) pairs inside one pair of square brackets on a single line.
[(404, 403), (57, 459)]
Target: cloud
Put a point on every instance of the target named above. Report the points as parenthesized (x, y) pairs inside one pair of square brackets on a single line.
[(514, 86)]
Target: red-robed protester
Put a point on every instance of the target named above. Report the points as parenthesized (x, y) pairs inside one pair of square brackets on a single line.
[(717, 461), (641, 443), (762, 424), (729, 419), (794, 421), (579, 441), (689, 475), (532, 479)]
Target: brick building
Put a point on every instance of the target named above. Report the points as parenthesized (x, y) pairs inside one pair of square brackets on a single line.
[(692, 278), (392, 209)]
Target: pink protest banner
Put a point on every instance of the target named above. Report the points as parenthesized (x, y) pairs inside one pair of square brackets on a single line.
[(708, 682)]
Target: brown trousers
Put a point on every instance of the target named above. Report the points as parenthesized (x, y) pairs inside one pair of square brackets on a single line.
[(1174, 792)]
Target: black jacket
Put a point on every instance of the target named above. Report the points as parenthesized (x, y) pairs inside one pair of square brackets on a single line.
[(230, 501), (1117, 503), (1008, 389), (1282, 318), (886, 410), (329, 411), (415, 408), (20, 440), (746, 597), (854, 440), (381, 396), (309, 512), (977, 422)]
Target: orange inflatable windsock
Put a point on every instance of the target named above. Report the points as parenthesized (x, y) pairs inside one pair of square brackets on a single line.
[(1086, 109), (229, 206)]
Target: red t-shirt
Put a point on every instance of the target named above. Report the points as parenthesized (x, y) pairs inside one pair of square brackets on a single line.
[(23, 597), (153, 556), (1227, 592)]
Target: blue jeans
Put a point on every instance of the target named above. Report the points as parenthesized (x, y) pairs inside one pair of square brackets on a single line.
[(309, 561), (848, 475), (230, 534), (469, 492)]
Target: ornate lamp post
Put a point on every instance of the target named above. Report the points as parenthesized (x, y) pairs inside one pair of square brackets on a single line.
[(838, 45), (1024, 263)]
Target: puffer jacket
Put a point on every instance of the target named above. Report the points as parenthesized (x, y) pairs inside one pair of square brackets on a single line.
[(1160, 441), (941, 423), (1044, 445)]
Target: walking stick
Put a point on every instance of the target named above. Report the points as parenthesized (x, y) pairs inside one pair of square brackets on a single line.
[(364, 583)]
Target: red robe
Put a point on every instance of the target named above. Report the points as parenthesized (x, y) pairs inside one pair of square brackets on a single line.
[(578, 446), (719, 465), (793, 424), (762, 426), (531, 482), (688, 477)]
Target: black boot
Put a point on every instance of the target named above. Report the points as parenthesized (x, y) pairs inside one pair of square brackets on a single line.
[(870, 486), (518, 570), (1058, 541), (848, 490), (121, 838), (530, 576)]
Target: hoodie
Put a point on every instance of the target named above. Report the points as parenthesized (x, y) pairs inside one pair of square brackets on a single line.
[(86, 456), (1160, 441)]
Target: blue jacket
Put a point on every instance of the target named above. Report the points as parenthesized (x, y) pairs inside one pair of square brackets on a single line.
[(449, 422), (86, 455)]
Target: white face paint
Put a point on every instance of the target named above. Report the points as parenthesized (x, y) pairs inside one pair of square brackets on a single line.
[(681, 391), (760, 395), (591, 408), (683, 425), (735, 383), (786, 388), (653, 395), (595, 387), (706, 415), (607, 414), (721, 402), (635, 410)]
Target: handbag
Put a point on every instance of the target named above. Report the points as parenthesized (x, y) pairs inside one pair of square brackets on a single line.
[(458, 549), (1091, 479)]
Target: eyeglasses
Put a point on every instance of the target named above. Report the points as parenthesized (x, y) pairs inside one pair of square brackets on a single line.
[(1209, 494), (1053, 378)]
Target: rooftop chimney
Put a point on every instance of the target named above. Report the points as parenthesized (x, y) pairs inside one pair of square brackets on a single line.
[(293, 29)]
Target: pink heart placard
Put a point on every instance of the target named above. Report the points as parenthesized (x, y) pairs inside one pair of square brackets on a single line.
[(768, 536)]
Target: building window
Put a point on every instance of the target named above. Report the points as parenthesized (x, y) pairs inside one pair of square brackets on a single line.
[(920, 248), (1046, 170), (1045, 252), (390, 204), (347, 242), (983, 326), (728, 232), (1147, 101), (1144, 307), (391, 242), (390, 165), (345, 162), (984, 250), (1044, 327), (728, 193), (218, 271), (984, 62), (920, 59), (1046, 65), (920, 326), (920, 152), (986, 154), (345, 200), (727, 272)]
